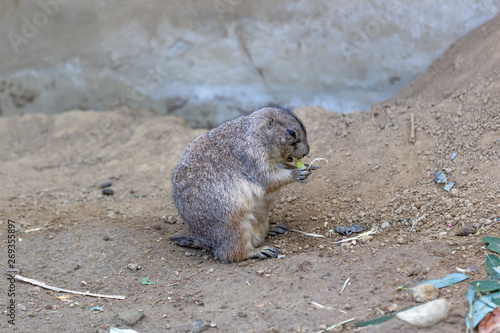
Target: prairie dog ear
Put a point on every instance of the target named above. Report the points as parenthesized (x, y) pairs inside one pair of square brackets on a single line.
[(271, 122)]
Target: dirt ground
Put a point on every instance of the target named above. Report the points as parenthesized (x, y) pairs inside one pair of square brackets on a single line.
[(52, 167)]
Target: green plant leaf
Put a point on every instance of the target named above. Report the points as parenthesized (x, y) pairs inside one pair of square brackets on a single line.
[(494, 243), (447, 281), (379, 320), (492, 264), (147, 280), (482, 307), (375, 321), (470, 295), (485, 286)]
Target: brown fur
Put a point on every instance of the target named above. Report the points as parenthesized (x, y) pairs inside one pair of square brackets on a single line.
[(227, 180)]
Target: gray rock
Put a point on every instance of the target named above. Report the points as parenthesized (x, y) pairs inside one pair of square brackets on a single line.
[(130, 318), (198, 326)]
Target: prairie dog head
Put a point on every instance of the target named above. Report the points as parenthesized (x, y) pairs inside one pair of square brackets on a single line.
[(284, 135)]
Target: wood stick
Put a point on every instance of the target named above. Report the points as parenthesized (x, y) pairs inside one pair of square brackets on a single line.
[(43, 285)]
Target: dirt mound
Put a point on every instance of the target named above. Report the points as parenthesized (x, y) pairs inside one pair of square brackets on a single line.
[(472, 64), (380, 168)]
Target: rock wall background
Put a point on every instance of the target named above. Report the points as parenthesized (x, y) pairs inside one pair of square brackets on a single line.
[(208, 61)]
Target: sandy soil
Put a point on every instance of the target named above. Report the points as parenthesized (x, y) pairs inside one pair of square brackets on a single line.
[(52, 167)]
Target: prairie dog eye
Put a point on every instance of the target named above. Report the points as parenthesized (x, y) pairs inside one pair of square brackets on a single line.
[(292, 133)]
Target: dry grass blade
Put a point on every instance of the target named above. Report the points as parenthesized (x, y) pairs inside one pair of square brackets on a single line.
[(307, 233)]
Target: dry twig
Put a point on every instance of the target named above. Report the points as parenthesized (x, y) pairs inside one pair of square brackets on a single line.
[(43, 285)]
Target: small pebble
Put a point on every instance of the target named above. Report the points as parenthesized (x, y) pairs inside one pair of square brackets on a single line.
[(133, 266), (393, 307), (105, 184), (366, 239), (466, 231), (35, 290), (108, 191), (198, 326), (305, 266), (425, 293)]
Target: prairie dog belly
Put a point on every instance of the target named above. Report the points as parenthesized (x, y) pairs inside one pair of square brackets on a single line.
[(256, 222)]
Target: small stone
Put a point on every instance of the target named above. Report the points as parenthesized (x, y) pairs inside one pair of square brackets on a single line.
[(108, 191), (348, 306), (133, 266), (105, 184), (466, 231), (31, 314), (426, 315), (393, 307), (401, 240), (198, 326), (35, 290), (48, 307), (425, 293), (189, 254), (365, 239), (305, 266), (418, 204), (106, 238), (130, 318), (454, 192), (158, 226)]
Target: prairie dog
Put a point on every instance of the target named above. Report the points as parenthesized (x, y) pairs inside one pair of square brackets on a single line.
[(227, 180)]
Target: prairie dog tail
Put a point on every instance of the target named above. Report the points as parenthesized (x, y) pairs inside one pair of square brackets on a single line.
[(188, 242)]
